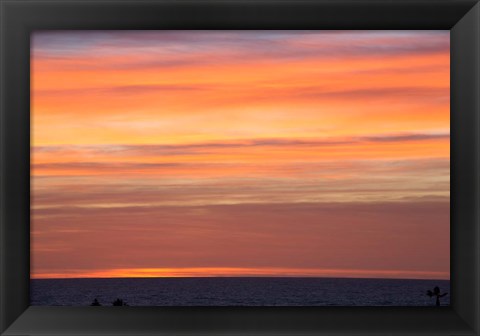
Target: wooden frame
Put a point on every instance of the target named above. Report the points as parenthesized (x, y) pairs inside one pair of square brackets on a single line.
[(20, 17)]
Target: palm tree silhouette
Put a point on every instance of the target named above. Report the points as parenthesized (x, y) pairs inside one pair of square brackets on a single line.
[(436, 293), (95, 303)]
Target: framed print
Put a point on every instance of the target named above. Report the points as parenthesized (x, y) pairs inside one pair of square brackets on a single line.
[(240, 167), (304, 169)]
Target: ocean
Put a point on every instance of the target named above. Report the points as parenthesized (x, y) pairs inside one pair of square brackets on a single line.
[(222, 291)]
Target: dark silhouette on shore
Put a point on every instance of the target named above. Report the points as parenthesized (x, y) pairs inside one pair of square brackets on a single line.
[(119, 302), (436, 293), (116, 303), (95, 303)]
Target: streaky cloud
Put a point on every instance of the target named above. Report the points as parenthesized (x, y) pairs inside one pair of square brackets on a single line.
[(407, 137), (123, 89), (193, 148), (174, 48)]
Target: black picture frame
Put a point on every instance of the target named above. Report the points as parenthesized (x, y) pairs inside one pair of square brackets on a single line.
[(18, 18)]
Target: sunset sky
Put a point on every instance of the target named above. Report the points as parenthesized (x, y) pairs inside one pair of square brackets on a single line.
[(240, 153)]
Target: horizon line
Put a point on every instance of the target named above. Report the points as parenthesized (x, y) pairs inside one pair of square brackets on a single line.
[(270, 272), (239, 276)]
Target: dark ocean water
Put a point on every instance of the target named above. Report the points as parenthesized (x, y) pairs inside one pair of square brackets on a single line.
[(237, 292)]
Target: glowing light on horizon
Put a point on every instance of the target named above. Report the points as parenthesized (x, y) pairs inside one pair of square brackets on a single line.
[(244, 272)]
